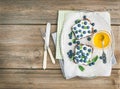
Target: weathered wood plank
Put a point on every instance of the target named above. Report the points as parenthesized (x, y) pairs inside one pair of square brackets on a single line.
[(41, 11), (53, 79), (21, 46)]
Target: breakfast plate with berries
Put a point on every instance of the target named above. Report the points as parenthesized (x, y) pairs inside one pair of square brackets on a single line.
[(81, 43)]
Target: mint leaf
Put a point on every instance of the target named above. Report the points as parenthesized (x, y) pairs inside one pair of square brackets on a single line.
[(81, 68), (95, 59)]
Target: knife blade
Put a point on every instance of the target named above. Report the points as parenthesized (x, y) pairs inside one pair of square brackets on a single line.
[(47, 37)]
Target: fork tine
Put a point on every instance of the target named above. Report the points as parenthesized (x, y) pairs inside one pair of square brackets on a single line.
[(43, 34)]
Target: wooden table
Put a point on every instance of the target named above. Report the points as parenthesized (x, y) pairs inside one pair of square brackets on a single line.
[(21, 46)]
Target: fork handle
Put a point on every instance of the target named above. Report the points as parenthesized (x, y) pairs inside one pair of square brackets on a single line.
[(51, 55), (45, 60)]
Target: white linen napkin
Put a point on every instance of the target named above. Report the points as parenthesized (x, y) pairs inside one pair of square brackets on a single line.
[(61, 61), (69, 70)]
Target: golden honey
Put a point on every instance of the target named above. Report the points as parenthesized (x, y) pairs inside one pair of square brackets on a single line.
[(97, 39)]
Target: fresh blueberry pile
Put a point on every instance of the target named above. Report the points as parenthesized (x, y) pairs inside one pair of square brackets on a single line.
[(70, 54)]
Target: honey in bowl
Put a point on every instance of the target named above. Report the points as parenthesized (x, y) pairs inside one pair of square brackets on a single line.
[(98, 39)]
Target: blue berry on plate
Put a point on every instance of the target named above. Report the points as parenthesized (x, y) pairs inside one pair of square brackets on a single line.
[(84, 61), (88, 27), (70, 51), (70, 36), (95, 30), (89, 31), (78, 25), (85, 23), (79, 56), (77, 36), (78, 47), (84, 16), (87, 54), (93, 24), (84, 48), (100, 57), (79, 30), (76, 60), (93, 63), (74, 28), (89, 50), (80, 51), (80, 60), (81, 35), (90, 64), (89, 38), (70, 43), (84, 32), (70, 56), (78, 42), (83, 27), (76, 32)]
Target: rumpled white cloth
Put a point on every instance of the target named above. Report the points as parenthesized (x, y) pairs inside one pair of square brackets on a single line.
[(69, 69)]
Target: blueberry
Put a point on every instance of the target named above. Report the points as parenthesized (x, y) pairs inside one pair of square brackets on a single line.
[(76, 60), (100, 57), (84, 16), (92, 63), (77, 36), (84, 48), (78, 47), (89, 50), (79, 30), (95, 30), (83, 54), (89, 31), (70, 51), (70, 36), (84, 32), (81, 35), (84, 61), (80, 60), (69, 43), (74, 28), (85, 23), (83, 27), (88, 27), (79, 56), (76, 32), (104, 61), (80, 51), (93, 24), (78, 42), (70, 56), (87, 54), (78, 25), (89, 38)]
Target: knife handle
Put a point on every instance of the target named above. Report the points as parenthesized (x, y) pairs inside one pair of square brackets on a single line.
[(45, 60), (51, 55)]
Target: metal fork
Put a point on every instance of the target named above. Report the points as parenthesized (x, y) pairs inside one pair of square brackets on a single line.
[(49, 50)]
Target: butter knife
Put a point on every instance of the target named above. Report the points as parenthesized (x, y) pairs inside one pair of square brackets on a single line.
[(47, 37)]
